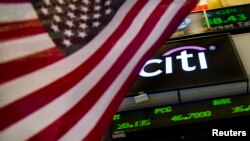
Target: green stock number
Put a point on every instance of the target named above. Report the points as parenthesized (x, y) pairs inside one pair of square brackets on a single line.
[(195, 115), (230, 19), (135, 124)]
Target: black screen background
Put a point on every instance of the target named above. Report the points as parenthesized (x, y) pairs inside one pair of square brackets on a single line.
[(223, 64)]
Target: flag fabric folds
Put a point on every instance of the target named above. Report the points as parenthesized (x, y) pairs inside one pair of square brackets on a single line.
[(66, 65)]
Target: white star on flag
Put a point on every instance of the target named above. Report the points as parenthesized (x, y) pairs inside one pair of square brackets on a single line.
[(66, 42), (68, 33)]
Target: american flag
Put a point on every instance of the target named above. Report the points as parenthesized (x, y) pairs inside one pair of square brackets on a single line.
[(67, 64)]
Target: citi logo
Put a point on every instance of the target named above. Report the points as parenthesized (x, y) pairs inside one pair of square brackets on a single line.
[(183, 57)]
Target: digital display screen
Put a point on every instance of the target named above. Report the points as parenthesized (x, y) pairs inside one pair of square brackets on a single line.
[(229, 18), (222, 19), (171, 115), (189, 63)]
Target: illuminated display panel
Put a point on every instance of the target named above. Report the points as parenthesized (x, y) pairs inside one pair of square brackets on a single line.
[(223, 20), (189, 113), (229, 18), (195, 62), (171, 115)]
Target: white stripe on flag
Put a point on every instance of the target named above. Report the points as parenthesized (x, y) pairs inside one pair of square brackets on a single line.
[(47, 2), (17, 12), (23, 86), (93, 116), (14, 49)]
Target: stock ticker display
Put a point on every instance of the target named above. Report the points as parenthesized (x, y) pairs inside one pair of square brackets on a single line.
[(223, 19), (170, 115), (229, 18)]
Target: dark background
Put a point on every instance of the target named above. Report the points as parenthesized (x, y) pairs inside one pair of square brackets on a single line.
[(223, 64)]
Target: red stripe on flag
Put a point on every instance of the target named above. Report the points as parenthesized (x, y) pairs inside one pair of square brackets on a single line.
[(81, 108), (34, 101), (21, 66), (106, 119), (18, 33), (5, 27), (20, 29)]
